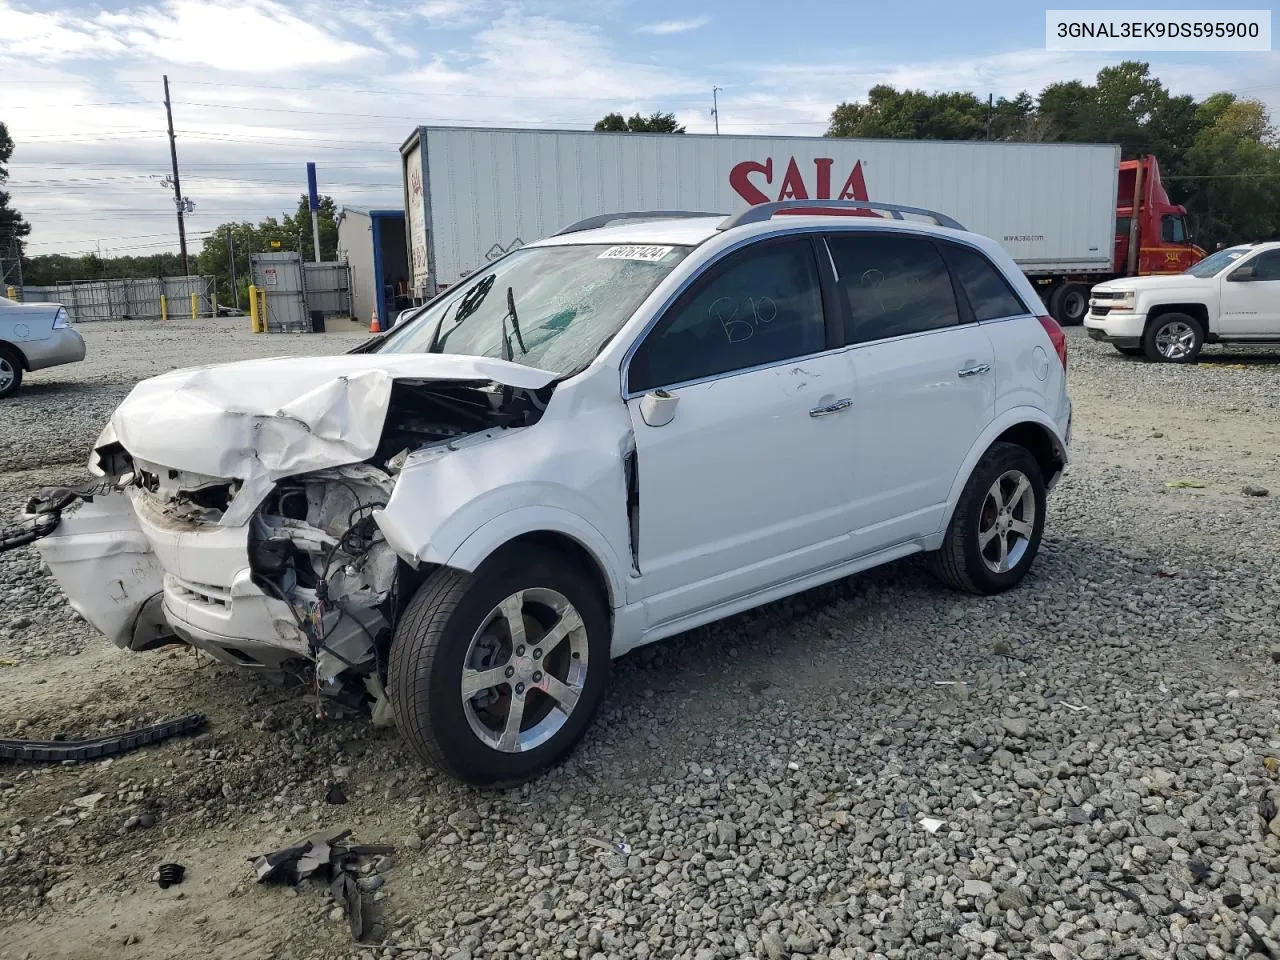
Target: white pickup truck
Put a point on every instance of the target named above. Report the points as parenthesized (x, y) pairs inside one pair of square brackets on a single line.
[(1232, 296)]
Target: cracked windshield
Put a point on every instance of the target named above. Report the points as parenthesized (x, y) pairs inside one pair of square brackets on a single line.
[(548, 307)]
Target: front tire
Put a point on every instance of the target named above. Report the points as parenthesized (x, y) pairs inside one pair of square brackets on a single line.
[(494, 676), (10, 372), (994, 534), (1173, 338)]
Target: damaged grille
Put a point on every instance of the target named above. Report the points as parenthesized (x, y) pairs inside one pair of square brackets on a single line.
[(204, 593)]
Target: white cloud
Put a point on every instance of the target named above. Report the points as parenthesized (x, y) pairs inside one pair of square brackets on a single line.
[(258, 90), (665, 27)]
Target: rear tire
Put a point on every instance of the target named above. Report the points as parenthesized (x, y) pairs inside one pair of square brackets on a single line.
[(994, 534), (10, 372), (1069, 304), (1173, 338), (483, 701)]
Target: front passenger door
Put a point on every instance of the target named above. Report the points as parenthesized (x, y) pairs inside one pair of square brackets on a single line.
[(1250, 307), (748, 483)]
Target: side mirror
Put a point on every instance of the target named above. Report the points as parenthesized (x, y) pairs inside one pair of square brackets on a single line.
[(658, 408), (1241, 273)]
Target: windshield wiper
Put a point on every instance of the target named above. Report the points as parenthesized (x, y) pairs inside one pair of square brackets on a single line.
[(515, 321), (468, 305)]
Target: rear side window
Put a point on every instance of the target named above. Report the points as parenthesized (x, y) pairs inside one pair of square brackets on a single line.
[(989, 293), (892, 286)]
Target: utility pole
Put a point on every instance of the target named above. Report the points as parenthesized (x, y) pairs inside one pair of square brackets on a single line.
[(715, 108), (177, 187), (990, 99), (231, 259)]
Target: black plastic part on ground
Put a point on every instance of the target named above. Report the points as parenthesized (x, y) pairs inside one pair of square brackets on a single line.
[(81, 751)]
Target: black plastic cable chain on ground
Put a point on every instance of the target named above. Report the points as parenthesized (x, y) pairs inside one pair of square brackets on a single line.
[(81, 751)]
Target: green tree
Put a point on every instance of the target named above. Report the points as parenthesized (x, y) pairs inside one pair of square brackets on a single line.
[(52, 268), (13, 228), (911, 115), (654, 123), (291, 232), (1231, 175)]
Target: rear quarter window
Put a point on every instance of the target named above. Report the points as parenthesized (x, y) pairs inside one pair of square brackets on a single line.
[(989, 294)]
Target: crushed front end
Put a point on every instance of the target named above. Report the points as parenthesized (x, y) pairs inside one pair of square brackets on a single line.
[(238, 556)]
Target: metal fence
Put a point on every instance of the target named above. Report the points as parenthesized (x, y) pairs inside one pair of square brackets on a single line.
[(139, 299), (327, 287)]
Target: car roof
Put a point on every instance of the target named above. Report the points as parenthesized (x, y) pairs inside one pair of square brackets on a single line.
[(692, 231)]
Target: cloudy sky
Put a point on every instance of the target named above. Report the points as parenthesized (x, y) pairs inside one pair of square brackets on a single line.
[(262, 86)]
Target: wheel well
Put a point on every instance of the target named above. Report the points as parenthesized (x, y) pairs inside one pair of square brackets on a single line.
[(1039, 443), (1197, 311), (22, 357), (572, 550)]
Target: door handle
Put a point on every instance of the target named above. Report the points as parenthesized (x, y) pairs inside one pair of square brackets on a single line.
[(829, 408), (975, 371)]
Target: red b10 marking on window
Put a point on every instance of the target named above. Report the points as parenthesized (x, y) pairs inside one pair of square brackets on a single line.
[(793, 186)]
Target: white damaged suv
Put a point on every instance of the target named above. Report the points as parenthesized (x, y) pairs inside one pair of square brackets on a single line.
[(642, 424)]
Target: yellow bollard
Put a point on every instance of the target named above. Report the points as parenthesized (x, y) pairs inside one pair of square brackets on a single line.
[(253, 309), (11, 293), (195, 305), (164, 307)]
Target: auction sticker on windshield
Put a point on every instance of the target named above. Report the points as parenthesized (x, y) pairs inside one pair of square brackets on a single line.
[(649, 254)]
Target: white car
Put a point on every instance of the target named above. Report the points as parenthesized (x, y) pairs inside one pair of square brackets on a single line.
[(602, 439), (1231, 296), (34, 336)]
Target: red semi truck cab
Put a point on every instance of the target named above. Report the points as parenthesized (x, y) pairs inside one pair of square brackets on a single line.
[(1163, 230)]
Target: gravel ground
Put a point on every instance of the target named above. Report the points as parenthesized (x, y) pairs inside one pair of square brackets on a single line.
[(1093, 746)]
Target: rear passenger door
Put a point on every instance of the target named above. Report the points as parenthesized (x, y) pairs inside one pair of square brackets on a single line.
[(926, 384)]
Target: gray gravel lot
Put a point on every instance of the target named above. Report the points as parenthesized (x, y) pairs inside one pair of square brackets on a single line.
[(1095, 743)]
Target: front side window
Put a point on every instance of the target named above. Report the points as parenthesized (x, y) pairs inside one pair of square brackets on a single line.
[(893, 286), (758, 306), (990, 295), (548, 307), (1172, 229)]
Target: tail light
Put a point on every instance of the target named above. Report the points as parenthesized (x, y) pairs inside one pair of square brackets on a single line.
[(1056, 337), (60, 319)]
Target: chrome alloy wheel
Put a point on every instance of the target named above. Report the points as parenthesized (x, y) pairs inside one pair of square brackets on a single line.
[(524, 670), (1006, 521), (1175, 340)]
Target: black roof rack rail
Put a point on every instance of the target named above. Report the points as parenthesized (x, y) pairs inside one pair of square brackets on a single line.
[(604, 219), (765, 211)]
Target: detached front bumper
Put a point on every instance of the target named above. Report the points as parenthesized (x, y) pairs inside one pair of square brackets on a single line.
[(143, 579), (210, 599)]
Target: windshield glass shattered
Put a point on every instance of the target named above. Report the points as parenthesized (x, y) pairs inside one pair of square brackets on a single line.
[(548, 307)]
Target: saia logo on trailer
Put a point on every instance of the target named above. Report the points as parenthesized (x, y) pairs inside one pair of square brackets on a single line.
[(793, 186)]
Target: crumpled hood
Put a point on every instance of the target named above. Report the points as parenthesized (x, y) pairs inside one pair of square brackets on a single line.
[(263, 420)]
